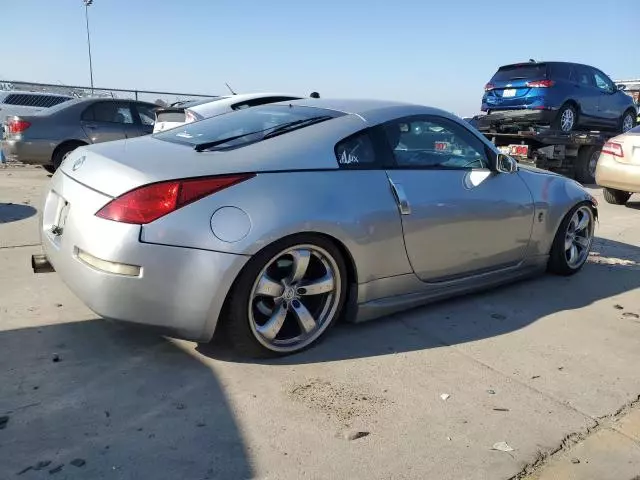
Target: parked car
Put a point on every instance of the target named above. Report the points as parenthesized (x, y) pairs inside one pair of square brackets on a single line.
[(47, 137), (274, 221), (618, 168), (567, 96), (174, 116)]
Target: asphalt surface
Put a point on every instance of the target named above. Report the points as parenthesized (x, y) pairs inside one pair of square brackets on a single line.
[(546, 366)]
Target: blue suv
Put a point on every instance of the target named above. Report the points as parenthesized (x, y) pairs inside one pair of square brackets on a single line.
[(566, 96)]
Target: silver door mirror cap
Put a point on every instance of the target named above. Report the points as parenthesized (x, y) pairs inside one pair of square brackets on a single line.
[(506, 164)]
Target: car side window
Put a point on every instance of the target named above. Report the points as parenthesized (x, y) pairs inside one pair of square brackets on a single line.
[(111, 112), (584, 76), (434, 142), (356, 151), (603, 82)]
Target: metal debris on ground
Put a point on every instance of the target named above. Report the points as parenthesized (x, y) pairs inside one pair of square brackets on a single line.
[(502, 447), (575, 461), (55, 358), (491, 392), (618, 307), (56, 469), (630, 315), (445, 396), (501, 409), (78, 462), (3, 421)]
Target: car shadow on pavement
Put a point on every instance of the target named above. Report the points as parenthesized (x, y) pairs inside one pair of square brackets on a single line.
[(121, 402), (14, 212), (613, 268)]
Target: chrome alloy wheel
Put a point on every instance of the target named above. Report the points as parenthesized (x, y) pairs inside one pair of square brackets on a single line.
[(294, 298), (567, 120), (578, 237), (627, 123)]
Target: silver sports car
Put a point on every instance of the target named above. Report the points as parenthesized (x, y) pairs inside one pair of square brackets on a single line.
[(273, 222)]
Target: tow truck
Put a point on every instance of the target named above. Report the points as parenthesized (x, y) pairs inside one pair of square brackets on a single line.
[(574, 154)]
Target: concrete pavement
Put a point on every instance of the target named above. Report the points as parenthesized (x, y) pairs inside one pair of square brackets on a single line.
[(548, 366)]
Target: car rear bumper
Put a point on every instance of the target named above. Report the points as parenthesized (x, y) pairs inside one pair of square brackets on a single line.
[(35, 152), (519, 116), (620, 176), (179, 290)]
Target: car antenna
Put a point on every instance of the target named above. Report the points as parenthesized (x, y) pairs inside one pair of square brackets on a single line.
[(230, 89)]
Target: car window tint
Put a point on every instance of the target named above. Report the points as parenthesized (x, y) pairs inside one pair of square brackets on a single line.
[(584, 76), (112, 112), (561, 71), (356, 151), (146, 114), (434, 142)]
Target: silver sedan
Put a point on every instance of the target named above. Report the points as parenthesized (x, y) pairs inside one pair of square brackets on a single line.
[(273, 222)]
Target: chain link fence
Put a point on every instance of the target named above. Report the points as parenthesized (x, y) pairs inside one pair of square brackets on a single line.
[(159, 98)]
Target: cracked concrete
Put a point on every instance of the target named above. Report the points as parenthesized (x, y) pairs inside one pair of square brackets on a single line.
[(548, 366)]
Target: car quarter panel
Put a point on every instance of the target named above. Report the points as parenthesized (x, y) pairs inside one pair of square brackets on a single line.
[(181, 290), (355, 207), (554, 196)]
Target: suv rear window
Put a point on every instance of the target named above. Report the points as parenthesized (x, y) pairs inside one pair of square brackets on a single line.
[(246, 126), (525, 71), (29, 100)]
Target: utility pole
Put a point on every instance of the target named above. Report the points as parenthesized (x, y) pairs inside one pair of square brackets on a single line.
[(87, 4)]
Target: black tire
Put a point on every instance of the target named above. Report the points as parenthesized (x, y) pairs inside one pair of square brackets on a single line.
[(557, 122), (616, 197), (62, 151), (624, 118), (235, 319), (585, 164), (558, 263), (49, 168)]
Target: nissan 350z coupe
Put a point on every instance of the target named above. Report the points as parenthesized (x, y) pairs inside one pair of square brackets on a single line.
[(273, 222)]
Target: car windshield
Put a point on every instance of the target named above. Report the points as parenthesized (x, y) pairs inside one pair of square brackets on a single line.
[(523, 71), (246, 126)]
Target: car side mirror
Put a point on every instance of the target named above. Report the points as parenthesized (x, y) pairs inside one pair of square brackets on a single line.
[(622, 87), (506, 164)]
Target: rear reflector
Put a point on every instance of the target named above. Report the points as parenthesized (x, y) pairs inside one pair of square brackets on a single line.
[(541, 84), (17, 125), (150, 202), (613, 148), (107, 266)]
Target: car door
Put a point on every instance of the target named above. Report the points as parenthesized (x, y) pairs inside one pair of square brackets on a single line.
[(460, 217), (586, 94), (105, 121), (610, 107), (145, 117)]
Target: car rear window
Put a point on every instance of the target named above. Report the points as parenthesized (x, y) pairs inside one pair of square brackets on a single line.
[(30, 100), (525, 71), (246, 126)]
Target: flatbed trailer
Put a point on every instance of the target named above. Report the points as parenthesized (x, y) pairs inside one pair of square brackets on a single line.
[(574, 154)]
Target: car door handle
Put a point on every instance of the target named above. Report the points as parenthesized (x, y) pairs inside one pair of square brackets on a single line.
[(401, 198)]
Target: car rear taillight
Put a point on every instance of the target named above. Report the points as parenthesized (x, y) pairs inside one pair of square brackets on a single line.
[(541, 84), (17, 125), (150, 202), (489, 86), (613, 148)]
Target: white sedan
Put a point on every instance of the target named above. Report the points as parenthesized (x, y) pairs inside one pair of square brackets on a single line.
[(171, 117)]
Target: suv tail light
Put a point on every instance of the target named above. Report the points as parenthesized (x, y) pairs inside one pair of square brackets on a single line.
[(150, 202), (489, 86), (17, 125), (541, 84), (613, 148)]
